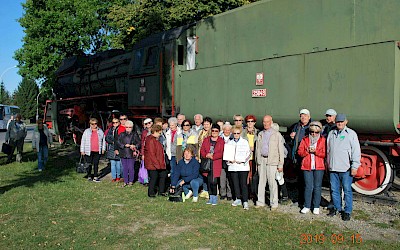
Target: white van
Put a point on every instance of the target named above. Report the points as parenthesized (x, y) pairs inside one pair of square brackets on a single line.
[(6, 111)]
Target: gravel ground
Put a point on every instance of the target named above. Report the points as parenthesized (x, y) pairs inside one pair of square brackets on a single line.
[(371, 221)]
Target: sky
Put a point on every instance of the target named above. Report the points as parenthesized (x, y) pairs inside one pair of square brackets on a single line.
[(11, 40)]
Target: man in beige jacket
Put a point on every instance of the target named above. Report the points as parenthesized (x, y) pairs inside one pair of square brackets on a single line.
[(270, 158)]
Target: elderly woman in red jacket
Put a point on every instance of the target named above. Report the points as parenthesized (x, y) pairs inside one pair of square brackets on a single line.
[(154, 162), (313, 150), (213, 148)]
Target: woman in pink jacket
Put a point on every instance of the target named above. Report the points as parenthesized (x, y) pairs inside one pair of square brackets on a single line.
[(313, 151)]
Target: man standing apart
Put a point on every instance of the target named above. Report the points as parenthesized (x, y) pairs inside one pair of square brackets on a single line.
[(343, 157), (15, 136), (270, 157)]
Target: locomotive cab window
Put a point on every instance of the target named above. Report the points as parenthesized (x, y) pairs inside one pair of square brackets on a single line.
[(180, 54), (151, 56)]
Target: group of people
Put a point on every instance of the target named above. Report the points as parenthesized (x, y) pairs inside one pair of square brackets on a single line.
[(181, 149)]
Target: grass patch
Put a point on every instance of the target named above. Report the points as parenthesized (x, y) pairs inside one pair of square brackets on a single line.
[(361, 215), (58, 208)]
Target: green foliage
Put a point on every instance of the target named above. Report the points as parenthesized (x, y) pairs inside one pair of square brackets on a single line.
[(134, 21), (5, 97), (25, 98)]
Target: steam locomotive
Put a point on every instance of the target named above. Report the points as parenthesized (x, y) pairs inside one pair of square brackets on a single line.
[(270, 57)]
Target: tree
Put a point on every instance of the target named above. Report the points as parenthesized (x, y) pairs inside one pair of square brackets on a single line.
[(57, 29), (5, 97), (25, 97)]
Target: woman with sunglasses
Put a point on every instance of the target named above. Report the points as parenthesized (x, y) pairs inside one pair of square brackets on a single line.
[(239, 168), (128, 144), (250, 135), (188, 138), (92, 146), (313, 151), (112, 149), (213, 148)]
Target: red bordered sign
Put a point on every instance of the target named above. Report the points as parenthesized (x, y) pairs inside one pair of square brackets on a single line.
[(259, 93), (259, 78)]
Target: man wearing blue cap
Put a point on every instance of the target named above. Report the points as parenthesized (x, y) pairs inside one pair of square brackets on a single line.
[(343, 157)]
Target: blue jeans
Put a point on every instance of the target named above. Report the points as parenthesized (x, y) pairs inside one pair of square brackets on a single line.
[(173, 164), (345, 179), (194, 185), (312, 190), (43, 155), (115, 169)]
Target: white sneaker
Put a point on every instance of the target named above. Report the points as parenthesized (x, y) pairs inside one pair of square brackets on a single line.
[(245, 205), (195, 199), (316, 211), (189, 194), (236, 203), (305, 210)]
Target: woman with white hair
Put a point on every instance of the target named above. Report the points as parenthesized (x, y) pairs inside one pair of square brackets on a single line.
[(313, 151), (171, 137), (128, 144)]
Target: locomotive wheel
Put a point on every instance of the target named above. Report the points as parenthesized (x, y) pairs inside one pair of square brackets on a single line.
[(381, 175)]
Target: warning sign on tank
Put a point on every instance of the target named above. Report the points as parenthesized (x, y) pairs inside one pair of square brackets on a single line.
[(259, 93)]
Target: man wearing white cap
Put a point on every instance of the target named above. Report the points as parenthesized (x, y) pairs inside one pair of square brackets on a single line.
[(329, 123), (147, 123), (300, 129)]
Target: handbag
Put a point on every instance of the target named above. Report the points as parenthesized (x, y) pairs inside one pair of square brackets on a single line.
[(6, 148), (206, 165), (143, 176), (81, 167)]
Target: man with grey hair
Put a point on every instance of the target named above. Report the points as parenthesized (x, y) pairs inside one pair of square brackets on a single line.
[(181, 118), (15, 136), (270, 159), (344, 159), (198, 122)]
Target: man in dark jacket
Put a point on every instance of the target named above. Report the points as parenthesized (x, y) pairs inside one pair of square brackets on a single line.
[(15, 136)]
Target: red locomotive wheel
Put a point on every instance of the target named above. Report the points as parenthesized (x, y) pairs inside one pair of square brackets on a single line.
[(375, 174)]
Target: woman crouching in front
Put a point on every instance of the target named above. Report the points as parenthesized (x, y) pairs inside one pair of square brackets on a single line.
[(154, 162), (187, 174)]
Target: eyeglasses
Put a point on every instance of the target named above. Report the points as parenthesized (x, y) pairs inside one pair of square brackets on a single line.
[(251, 121), (115, 122), (238, 120), (123, 119), (314, 132), (128, 127), (93, 123), (236, 133), (186, 125), (214, 130), (147, 123)]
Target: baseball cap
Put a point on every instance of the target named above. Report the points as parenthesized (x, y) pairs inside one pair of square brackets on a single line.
[(330, 112), (305, 111), (340, 118), (147, 120)]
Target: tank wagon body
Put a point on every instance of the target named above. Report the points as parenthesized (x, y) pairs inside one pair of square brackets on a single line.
[(277, 57)]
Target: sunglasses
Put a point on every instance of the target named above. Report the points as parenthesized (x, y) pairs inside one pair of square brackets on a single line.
[(236, 133), (314, 132), (214, 130), (186, 125), (251, 121), (123, 119), (147, 123), (93, 123), (238, 120), (115, 122), (128, 127)]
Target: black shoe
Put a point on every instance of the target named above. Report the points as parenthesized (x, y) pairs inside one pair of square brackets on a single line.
[(346, 216), (222, 198), (229, 198), (332, 212)]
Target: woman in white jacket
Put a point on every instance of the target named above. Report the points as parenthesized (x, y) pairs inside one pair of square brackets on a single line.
[(41, 139), (239, 168)]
